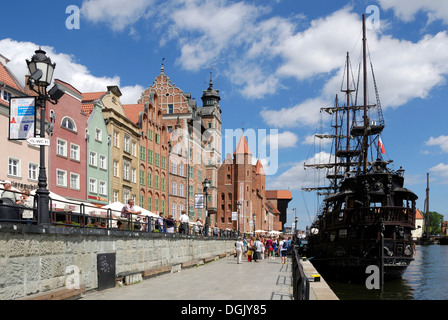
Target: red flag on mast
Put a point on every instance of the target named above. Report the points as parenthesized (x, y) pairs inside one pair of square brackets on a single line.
[(381, 145)]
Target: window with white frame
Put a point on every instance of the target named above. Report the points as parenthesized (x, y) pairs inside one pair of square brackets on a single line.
[(33, 171), (74, 152), (61, 178), (115, 196), (103, 162), (181, 169), (133, 175), (74, 181), (93, 158), (181, 190), (116, 139), (61, 147), (92, 185), (116, 170), (98, 134), (174, 188), (103, 188), (174, 168), (127, 143), (134, 149), (174, 210), (68, 123), (14, 167), (126, 170)]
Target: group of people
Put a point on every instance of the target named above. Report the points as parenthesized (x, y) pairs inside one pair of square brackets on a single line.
[(160, 224), (262, 248), (21, 199)]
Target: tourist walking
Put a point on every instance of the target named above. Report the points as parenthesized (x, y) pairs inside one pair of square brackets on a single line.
[(283, 248), (239, 247), (269, 249), (170, 224), (250, 249), (257, 249), (184, 219), (274, 247)]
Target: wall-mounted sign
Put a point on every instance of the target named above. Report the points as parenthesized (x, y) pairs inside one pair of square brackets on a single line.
[(199, 201), (22, 118)]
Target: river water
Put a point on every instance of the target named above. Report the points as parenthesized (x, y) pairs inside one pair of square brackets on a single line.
[(425, 279)]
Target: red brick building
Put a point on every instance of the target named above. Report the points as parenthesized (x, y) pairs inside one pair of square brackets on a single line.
[(239, 181)]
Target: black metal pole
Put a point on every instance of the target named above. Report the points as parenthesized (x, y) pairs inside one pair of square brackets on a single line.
[(207, 218), (42, 192)]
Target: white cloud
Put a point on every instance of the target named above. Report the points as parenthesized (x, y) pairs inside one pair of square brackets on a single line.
[(404, 70), (441, 172), (297, 176), (282, 140), (67, 69), (441, 141), (117, 14), (319, 49), (407, 9), (304, 113)]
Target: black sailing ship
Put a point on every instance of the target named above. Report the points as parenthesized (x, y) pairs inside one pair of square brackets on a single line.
[(367, 215)]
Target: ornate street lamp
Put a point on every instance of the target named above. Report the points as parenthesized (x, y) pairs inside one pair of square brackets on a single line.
[(206, 184), (41, 73)]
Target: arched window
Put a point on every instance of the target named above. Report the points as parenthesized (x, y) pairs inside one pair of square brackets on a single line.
[(68, 123)]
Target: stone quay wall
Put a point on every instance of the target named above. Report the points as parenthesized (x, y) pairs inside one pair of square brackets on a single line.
[(36, 259)]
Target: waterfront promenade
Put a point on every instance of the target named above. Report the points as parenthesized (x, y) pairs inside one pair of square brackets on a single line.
[(222, 279)]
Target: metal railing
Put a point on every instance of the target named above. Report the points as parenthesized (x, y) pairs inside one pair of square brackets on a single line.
[(81, 215), (301, 284)]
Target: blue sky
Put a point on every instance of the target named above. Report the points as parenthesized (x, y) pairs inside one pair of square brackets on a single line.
[(275, 62)]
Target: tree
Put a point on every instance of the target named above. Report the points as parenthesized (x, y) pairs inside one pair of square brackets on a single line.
[(435, 222)]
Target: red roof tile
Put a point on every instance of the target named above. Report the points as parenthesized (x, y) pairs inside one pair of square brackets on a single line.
[(9, 79), (133, 110), (259, 168), (92, 96), (278, 194), (87, 108), (242, 146), (418, 214)]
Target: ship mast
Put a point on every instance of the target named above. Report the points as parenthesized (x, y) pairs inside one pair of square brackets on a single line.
[(364, 148), (427, 205)]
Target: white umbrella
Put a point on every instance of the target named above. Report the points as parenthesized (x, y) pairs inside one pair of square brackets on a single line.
[(145, 212), (57, 201)]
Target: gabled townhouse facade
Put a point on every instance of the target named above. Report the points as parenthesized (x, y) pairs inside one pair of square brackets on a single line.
[(185, 128), (67, 157), (20, 164), (153, 156), (98, 144), (123, 154)]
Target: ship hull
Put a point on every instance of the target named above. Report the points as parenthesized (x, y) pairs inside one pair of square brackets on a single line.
[(357, 269)]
